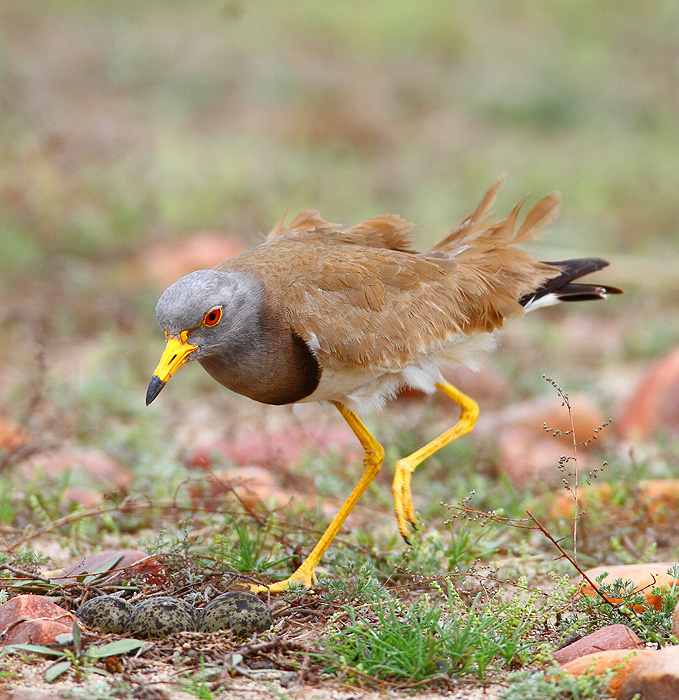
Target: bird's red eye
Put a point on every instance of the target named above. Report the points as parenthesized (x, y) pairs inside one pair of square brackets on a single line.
[(212, 317)]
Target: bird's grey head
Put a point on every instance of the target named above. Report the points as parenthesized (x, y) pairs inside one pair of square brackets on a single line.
[(210, 307), (206, 313)]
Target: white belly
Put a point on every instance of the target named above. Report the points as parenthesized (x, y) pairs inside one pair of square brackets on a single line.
[(368, 390)]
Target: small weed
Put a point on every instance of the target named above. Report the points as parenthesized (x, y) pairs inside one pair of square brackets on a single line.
[(634, 611), (80, 659), (452, 547), (642, 551), (355, 583), (552, 685), (248, 555), (196, 684), (498, 631), (6, 671), (390, 644), (166, 542), (422, 641), (21, 572), (8, 502), (467, 543), (28, 559)]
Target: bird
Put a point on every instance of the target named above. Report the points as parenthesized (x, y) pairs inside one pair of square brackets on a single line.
[(350, 317)]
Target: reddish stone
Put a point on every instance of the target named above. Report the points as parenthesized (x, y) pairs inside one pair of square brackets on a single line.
[(523, 457), (527, 449), (488, 384), (12, 436), (287, 447), (594, 495), (585, 415), (611, 637), (655, 677), (92, 466), (165, 262), (658, 497), (82, 495), (654, 405), (533, 415), (624, 661), (43, 620), (252, 484), (123, 564), (645, 578)]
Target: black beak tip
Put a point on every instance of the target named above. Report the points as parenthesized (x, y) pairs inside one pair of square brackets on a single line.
[(155, 387)]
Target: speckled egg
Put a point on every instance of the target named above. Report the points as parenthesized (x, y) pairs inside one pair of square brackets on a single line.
[(242, 613), (107, 613), (158, 617)]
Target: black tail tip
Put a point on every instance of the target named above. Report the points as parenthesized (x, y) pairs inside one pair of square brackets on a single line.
[(585, 292)]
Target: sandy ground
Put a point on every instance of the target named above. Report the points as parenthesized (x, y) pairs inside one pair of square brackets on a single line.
[(235, 689)]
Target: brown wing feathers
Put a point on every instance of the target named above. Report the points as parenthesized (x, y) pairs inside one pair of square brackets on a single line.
[(364, 298), (388, 231), (306, 221), (491, 274)]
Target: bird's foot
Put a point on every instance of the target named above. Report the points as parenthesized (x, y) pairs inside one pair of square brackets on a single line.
[(305, 577), (403, 498)]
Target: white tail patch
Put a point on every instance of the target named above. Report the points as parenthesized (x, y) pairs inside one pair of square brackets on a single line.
[(538, 303)]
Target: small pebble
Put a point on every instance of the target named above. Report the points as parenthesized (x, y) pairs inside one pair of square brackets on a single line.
[(159, 617), (107, 613), (242, 613)]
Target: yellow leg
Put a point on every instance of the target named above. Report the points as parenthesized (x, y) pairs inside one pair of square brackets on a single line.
[(374, 455), (403, 497)]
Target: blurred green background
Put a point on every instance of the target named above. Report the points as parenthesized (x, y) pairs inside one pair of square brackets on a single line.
[(127, 127)]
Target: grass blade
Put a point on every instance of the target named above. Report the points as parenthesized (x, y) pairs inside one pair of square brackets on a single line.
[(56, 669), (120, 646)]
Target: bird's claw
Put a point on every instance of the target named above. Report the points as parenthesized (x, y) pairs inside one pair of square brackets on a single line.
[(301, 577), (403, 499)]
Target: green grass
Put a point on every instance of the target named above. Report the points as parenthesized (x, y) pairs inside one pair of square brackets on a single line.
[(196, 684), (423, 640), (247, 552)]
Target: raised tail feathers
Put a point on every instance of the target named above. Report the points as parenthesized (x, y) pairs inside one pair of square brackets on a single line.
[(563, 288)]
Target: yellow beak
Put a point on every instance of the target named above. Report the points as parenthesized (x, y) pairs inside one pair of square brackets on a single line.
[(176, 353)]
